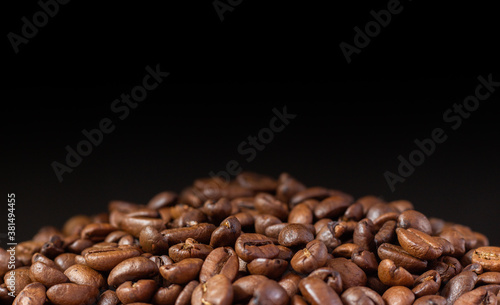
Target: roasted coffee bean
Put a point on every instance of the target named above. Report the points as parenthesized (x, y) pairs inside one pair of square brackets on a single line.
[(106, 259), (363, 235), (271, 268), (134, 224), (419, 244), (398, 295), (330, 276), (132, 269), (317, 292), (184, 297), (72, 294), (17, 279), (458, 285), (190, 249), (65, 260), (379, 209), (315, 192), (474, 267), (269, 292), (301, 213), (427, 284), (313, 256), (386, 234), (75, 224), (481, 240), (250, 246), (264, 221), (456, 239), (115, 236), (298, 300), (223, 261), (365, 260), (345, 250), (79, 245), (354, 212), (97, 232), (488, 258), (332, 207), (38, 257), (401, 258), (53, 247), (285, 253), (32, 294), (401, 205), (447, 267), (152, 241), (374, 283), (391, 275), (108, 297), (416, 220), (216, 291), (431, 300), (162, 199), (350, 273), (361, 295), (288, 187), (489, 278), (382, 219), (478, 296), (217, 210), (200, 232), (256, 182), (244, 287), (167, 295), (141, 291), (189, 218), (48, 276), (295, 234), (182, 272), (84, 275), (330, 234), (290, 282), (227, 233), (268, 204)]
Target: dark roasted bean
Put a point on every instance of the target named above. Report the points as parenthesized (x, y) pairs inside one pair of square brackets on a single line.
[(317, 292), (222, 260), (250, 246), (361, 295), (398, 295), (216, 291)]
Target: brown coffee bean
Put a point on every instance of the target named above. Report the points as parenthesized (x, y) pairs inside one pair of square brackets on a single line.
[(426, 284), (458, 285), (350, 273), (290, 282), (264, 221), (65, 260), (391, 275), (269, 292), (84, 275), (200, 232), (345, 250), (298, 300), (134, 224), (374, 283), (222, 260), (152, 241), (17, 279), (354, 212), (267, 204), (32, 294), (398, 295), (250, 246), (217, 210), (419, 244), (332, 207), (184, 297), (317, 292), (75, 224), (141, 291), (474, 267), (25, 250), (313, 256), (379, 209), (190, 249), (227, 233), (271, 268), (330, 234), (401, 258), (167, 295), (97, 232), (478, 296), (402, 205), (301, 213), (386, 234), (72, 294), (295, 234), (106, 259), (365, 260), (481, 240), (488, 278), (288, 187), (162, 199), (431, 300), (416, 220), (108, 297), (48, 276), (256, 182), (445, 245), (182, 272), (132, 269), (456, 239), (79, 245), (363, 235), (244, 287), (285, 253), (361, 295), (38, 257), (488, 258), (330, 276), (216, 291), (447, 267)]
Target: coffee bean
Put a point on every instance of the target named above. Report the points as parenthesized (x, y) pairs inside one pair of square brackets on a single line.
[(312, 193), (456, 239), (167, 295), (313, 256), (489, 278), (216, 291), (48, 276), (363, 235), (288, 187), (227, 233), (217, 210), (72, 294), (132, 269), (97, 231), (152, 241), (190, 249), (416, 220), (184, 297), (182, 272), (481, 295), (271, 268), (398, 295), (458, 285), (386, 234), (419, 244), (379, 209), (330, 234), (401, 205), (392, 275), (295, 234), (354, 212), (106, 259), (222, 260), (162, 199), (488, 257), (301, 213), (18, 279), (200, 232), (32, 294), (269, 292), (108, 297), (317, 292), (361, 295), (431, 300), (332, 207), (250, 246), (256, 182), (365, 260), (244, 287), (350, 273), (141, 291), (84, 275), (290, 282), (427, 284), (268, 204)]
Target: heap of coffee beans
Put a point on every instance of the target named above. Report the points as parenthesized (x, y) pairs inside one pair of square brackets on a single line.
[(255, 240)]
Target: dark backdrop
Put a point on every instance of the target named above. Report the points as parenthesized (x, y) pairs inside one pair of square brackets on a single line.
[(353, 120)]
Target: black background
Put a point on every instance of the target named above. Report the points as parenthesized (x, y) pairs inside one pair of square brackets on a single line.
[(353, 120)]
